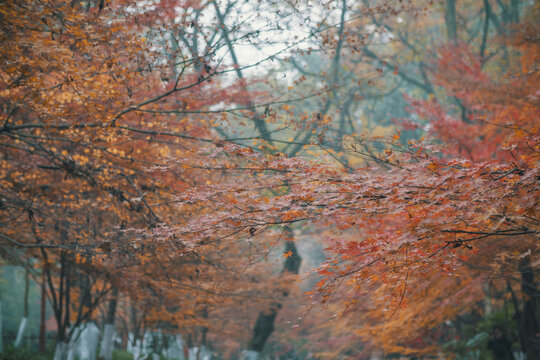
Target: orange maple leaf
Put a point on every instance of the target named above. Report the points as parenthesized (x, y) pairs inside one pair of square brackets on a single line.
[(288, 254)]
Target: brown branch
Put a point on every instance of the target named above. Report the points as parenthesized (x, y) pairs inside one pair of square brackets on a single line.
[(34, 245)]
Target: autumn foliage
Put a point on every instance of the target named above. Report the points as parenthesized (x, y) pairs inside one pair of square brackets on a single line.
[(124, 180)]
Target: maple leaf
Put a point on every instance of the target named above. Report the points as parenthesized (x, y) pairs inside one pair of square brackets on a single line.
[(288, 254)]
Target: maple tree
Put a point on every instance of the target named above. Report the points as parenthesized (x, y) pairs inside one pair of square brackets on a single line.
[(73, 175), (470, 117), (476, 201), (132, 166), (80, 136)]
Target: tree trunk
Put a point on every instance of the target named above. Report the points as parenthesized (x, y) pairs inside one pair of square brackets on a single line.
[(24, 320), (74, 343), (251, 355), (108, 332), (450, 19), (487, 9), (61, 304), (60, 350), (264, 326), (42, 341), (514, 8), (88, 342), (529, 320), (20, 332)]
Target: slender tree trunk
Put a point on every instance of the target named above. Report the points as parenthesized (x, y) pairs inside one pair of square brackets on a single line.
[(137, 332), (62, 308), (264, 326), (450, 19), (20, 332), (514, 8), (108, 332), (529, 324), (42, 340), (24, 320), (487, 9)]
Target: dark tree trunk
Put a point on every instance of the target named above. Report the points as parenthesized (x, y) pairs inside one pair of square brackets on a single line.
[(529, 319), (60, 303), (42, 341), (26, 291), (450, 19), (108, 332), (111, 311), (264, 326), (24, 320)]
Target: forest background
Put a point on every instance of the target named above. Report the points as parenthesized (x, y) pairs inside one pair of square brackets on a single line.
[(269, 179)]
